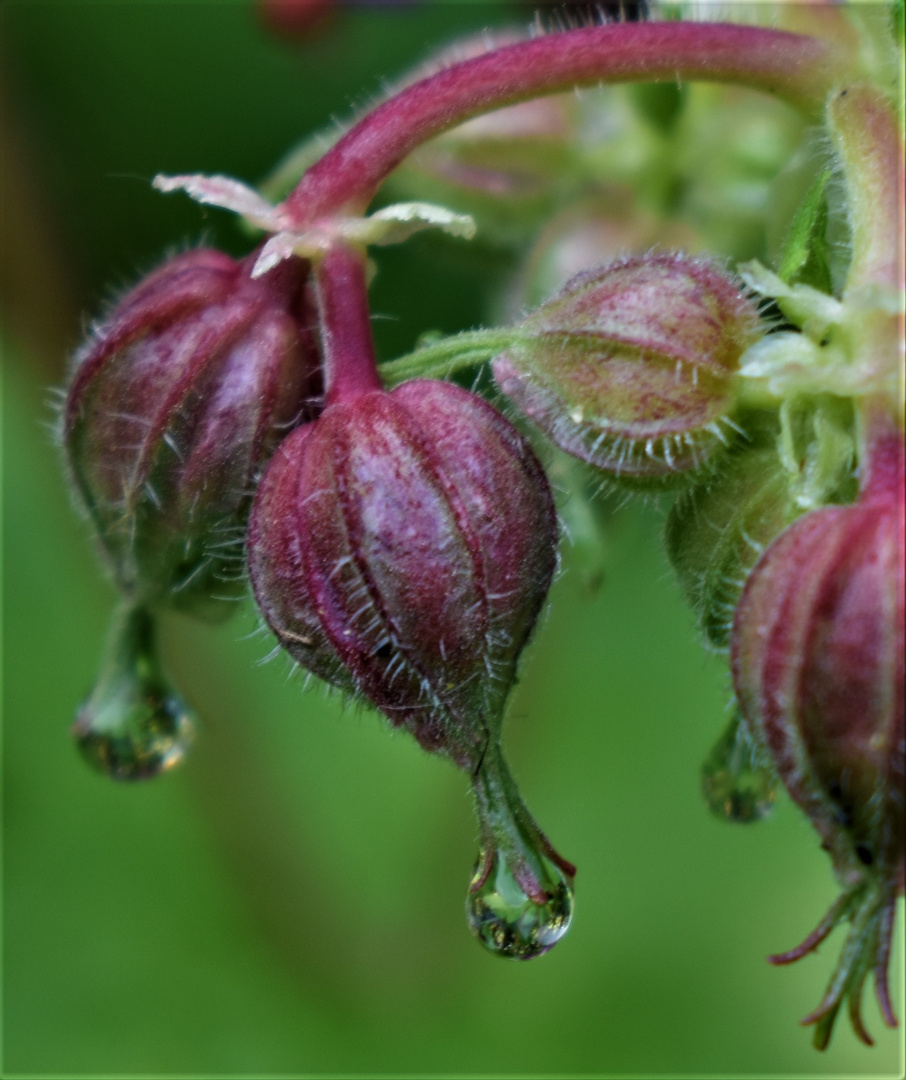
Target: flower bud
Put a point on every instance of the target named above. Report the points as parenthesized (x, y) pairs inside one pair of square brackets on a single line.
[(631, 366), (401, 547), (818, 665), (175, 404), (296, 22)]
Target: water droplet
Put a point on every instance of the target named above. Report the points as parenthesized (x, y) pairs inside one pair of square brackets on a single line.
[(134, 725), (737, 781), (151, 737), (520, 900), (510, 923)]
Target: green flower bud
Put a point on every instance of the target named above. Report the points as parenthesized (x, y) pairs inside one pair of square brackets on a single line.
[(631, 366)]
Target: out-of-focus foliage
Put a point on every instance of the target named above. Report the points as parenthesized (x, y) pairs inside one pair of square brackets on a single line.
[(292, 900)]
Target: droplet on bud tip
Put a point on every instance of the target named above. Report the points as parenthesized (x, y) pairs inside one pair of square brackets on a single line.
[(510, 923), (133, 726), (520, 900), (737, 786)]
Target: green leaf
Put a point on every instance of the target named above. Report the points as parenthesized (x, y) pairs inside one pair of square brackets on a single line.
[(805, 257)]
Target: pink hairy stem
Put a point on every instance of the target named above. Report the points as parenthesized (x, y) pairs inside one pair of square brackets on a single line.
[(350, 366), (801, 70)]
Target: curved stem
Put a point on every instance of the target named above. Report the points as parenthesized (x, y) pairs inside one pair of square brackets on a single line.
[(341, 288), (799, 69), (868, 139), (867, 136)]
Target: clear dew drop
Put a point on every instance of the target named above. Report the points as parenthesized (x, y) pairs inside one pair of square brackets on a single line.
[(149, 737), (738, 786), (510, 923), (133, 726)]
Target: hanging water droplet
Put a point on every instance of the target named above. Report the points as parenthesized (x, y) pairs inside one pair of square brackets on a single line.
[(737, 782), (150, 738), (510, 923), (133, 725), (520, 900)]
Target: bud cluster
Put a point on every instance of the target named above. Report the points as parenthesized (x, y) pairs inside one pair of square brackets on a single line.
[(228, 421)]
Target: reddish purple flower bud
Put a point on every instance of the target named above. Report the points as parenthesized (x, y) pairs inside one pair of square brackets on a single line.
[(175, 403), (817, 656), (631, 366), (402, 546), (296, 21)]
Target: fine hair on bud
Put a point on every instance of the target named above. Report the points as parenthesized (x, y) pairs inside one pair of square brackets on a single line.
[(401, 546), (631, 366), (174, 405)]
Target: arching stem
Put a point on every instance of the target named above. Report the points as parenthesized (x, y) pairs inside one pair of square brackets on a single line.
[(796, 68), (868, 138), (441, 359)]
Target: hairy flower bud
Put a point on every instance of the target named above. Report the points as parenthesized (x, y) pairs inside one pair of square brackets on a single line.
[(174, 405), (818, 665), (401, 547), (630, 367)]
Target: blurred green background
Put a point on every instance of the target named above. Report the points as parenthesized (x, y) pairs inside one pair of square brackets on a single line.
[(291, 902)]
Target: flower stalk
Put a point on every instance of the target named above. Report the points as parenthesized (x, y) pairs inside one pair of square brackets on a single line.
[(796, 68), (341, 290), (868, 139)]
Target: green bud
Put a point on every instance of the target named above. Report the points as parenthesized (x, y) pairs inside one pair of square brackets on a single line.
[(630, 367)]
